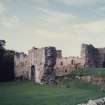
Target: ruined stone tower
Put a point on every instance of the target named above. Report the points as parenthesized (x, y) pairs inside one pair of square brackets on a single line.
[(50, 61), (93, 57), (37, 66)]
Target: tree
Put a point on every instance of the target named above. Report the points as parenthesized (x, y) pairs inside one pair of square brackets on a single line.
[(6, 63), (2, 49), (2, 43)]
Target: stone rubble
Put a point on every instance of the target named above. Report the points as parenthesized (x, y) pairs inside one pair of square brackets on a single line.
[(100, 101)]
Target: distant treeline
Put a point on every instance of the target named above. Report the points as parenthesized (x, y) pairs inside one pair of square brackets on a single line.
[(6, 63)]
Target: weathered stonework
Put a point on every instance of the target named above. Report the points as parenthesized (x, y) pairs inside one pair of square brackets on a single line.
[(100, 101), (59, 53), (22, 68), (42, 64), (37, 66), (65, 65), (50, 61), (93, 57)]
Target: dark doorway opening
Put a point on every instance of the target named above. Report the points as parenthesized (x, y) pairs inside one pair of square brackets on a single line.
[(65, 71), (32, 72), (104, 64)]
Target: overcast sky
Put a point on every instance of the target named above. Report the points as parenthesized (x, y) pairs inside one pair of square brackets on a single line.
[(65, 24)]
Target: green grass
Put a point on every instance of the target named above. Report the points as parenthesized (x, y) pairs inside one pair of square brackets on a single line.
[(84, 72), (66, 93)]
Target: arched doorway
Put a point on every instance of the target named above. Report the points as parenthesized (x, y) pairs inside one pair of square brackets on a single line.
[(32, 72), (72, 62), (104, 64)]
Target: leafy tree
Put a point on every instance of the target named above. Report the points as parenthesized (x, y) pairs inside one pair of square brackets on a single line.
[(2, 49), (6, 63), (2, 43)]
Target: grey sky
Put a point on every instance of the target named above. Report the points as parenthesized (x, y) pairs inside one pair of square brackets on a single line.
[(65, 24)]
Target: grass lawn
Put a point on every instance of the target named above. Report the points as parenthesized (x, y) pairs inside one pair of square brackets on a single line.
[(27, 93)]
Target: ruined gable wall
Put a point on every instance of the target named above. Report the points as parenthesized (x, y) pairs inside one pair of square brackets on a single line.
[(18, 59), (91, 56), (39, 65), (102, 56), (21, 65), (32, 55), (87, 54)]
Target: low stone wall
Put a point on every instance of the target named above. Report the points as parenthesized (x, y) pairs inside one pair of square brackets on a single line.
[(97, 80), (100, 101)]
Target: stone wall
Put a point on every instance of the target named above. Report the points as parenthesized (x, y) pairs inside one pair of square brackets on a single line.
[(96, 80), (65, 65), (102, 56), (37, 66), (50, 61), (40, 63), (92, 57), (59, 54), (21, 66)]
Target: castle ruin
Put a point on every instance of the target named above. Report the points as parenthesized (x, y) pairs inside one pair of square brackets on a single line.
[(37, 66), (41, 65)]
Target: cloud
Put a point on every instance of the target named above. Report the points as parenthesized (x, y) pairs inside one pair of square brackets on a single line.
[(83, 3), (92, 28), (55, 17), (2, 8), (72, 37), (55, 21), (9, 21), (44, 25)]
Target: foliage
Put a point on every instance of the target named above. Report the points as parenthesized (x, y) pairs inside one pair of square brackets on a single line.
[(2, 49), (6, 63)]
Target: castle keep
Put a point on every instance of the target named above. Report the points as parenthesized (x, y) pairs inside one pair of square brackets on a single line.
[(41, 65)]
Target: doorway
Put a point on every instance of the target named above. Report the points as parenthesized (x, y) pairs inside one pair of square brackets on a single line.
[(33, 73), (104, 64)]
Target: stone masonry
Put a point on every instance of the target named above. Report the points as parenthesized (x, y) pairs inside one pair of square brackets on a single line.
[(50, 61), (37, 66), (41, 65), (93, 57)]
